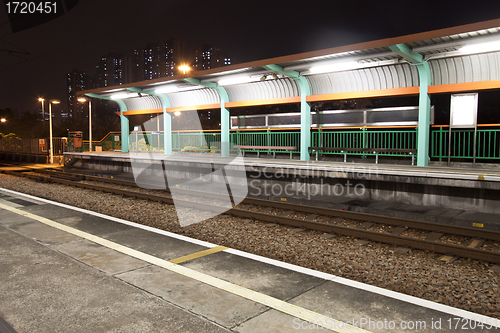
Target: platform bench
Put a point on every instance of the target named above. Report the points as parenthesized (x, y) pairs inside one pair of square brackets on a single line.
[(375, 151), (259, 148)]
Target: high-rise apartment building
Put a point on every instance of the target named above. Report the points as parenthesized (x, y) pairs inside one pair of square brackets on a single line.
[(109, 71), (157, 60), (76, 81), (210, 57)]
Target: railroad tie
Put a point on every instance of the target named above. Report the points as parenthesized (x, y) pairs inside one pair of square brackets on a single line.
[(474, 243), (287, 213), (398, 230), (266, 210), (361, 242), (297, 230), (365, 225), (311, 217), (336, 220), (434, 236), (402, 250)]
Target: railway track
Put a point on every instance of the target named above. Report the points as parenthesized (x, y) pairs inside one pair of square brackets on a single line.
[(438, 230)]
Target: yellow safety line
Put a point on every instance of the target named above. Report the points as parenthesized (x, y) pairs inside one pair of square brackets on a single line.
[(198, 254), (274, 303)]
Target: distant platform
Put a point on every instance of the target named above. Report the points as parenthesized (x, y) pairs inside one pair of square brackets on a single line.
[(462, 196), (481, 172)]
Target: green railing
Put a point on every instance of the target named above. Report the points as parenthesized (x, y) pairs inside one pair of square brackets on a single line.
[(365, 138), (112, 141), (462, 143), (267, 138), (196, 141)]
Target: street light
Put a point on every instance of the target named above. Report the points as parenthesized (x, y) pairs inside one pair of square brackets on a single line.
[(43, 111), (51, 151), (83, 100), (184, 68), (3, 120)]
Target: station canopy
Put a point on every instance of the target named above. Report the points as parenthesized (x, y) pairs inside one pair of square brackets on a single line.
[(464, 58)]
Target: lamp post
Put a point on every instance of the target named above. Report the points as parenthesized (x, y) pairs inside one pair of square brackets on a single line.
[(43, 111), (51, 151), (83, 100)]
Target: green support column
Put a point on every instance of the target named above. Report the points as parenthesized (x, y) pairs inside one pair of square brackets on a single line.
[(424, 115), (167, 132), (424, 102), (305, 109), (123, 120), (167, 118), (305, 119), (124, 126), (224, 122), (167, 125), (224, 113)]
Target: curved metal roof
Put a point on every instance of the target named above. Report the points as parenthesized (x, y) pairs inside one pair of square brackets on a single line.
[(280, 88), (386, 77), (471, 68), (193, 97), (145, 102)]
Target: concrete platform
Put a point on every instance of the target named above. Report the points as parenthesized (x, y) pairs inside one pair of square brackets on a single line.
[(65, 269), (459, 195)]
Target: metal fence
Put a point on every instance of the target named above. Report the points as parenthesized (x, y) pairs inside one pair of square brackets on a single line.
[(462, 141), (31, 146), (111, 142)]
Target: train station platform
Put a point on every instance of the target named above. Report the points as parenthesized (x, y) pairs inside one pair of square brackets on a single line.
[(464, 195), (65, 269)]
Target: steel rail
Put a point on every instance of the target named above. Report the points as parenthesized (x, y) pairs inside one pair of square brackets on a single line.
[(421, 225), (443, 248)]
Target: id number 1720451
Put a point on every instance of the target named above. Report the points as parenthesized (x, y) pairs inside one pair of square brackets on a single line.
[(32, 7)]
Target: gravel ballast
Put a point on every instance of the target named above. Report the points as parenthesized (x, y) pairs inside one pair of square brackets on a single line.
[(466, 284)]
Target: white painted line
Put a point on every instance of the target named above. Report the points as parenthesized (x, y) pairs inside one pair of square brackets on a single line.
[(274, 303), (115, 219), (351, 283)]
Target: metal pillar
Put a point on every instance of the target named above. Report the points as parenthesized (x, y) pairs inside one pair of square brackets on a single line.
[(167, 118), (224, 113), (123, 119), (424, 102), (224, 122), (305, 108), (124, 126), (305, 119), (424, 111), (167, 124)]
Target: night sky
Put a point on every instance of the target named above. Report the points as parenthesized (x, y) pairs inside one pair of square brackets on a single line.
[(248, 30)]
